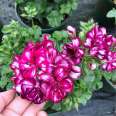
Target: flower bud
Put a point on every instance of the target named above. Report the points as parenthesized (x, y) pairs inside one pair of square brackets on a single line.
[(71, 31)]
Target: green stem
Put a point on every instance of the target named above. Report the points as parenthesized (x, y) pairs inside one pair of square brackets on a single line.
[(32, 22)]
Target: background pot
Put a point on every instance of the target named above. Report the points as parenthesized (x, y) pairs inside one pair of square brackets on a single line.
[(99, 14), (45, 29)]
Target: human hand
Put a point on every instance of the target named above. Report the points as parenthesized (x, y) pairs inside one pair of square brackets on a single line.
[(12, 105)]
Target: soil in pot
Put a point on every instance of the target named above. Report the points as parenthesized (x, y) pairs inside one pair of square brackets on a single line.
[(99, 14)]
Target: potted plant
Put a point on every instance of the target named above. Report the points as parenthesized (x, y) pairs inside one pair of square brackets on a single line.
[(99, 14), (48, 14), (61, 68)]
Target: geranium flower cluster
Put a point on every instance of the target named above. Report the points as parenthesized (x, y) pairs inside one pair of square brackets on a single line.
[(99, 44), (42, 73)]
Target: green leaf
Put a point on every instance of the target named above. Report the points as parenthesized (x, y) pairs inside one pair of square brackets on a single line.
[(48, 105), (67, 104), (111, 13), (60, 35), (84, 98), (56, 107), (85, 27), (113, 79), (107, 75), (41, 6), (9, 86), (90, 76), (99, 85), (54, 18), (30, 11), (65, 8), (19, 1)]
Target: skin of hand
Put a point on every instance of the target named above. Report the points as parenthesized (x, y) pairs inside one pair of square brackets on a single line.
[(12, 105)]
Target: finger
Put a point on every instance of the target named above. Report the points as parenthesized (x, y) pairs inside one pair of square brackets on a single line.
[(10, 113), (33, 109), (6, 98), (41, 113), (17, 106)]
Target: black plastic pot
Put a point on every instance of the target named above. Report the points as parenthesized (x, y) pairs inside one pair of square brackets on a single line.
[(108, 86), (100, 12)]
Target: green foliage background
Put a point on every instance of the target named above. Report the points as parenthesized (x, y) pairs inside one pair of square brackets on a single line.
[(14, 39), (54, 11)]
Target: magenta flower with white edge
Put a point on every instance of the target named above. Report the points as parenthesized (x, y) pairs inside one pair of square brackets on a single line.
[(28, 53), (75, 73), (71, 31), (74, 51), (110, 64), (99, 52), (57, 89), (98, 42), (92, 66), (42, 73), (95, 37)]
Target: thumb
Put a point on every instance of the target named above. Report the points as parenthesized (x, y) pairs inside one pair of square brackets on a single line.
[(6, 98)]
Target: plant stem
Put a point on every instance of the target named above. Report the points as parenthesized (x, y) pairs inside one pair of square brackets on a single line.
[(32, 22)]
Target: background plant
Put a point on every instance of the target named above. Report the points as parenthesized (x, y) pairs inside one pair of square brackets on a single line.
[(14, 38), (51, 11)]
